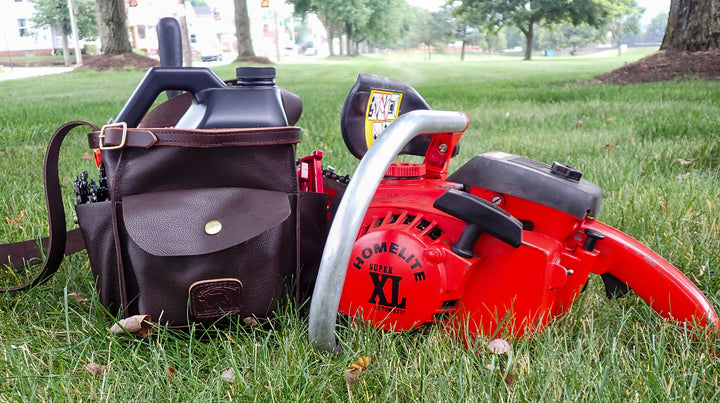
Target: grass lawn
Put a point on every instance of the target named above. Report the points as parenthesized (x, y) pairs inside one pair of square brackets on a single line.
[(653, 148)]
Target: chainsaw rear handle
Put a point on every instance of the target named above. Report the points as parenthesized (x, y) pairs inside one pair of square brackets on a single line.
[(159, 79), (667, 290), (351, 211)]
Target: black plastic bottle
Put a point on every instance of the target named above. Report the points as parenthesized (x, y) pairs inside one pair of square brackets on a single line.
[(255, 101)]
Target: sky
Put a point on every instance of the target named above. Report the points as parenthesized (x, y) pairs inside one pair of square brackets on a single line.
[(652, 7)]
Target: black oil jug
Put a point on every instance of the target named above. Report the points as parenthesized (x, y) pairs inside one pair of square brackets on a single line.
[(253, 100)]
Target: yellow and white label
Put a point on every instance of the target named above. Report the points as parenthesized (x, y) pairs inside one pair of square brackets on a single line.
[(383, 108)]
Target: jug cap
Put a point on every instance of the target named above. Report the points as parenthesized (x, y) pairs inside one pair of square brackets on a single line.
[(255, 75)]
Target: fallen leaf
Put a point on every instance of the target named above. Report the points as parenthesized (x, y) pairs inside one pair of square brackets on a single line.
[(579, 124), (683, 176), (96, 369), (681, 161), (251, 321), (632, 139), (138, 325), (228, 375), (352, 372), (609, 147), (170, 372), (664, 207), (86, 157), (77, 297), (611, 119), (499, 346), (509, 379)]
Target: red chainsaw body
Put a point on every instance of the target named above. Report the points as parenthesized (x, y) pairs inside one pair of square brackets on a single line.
[(403, 272), (499, 247)]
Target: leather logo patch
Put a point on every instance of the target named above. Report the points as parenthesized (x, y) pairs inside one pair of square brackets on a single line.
[(214, 299)]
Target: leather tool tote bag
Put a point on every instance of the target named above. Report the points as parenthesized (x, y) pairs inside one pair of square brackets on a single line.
[(198, 226), (198, 234)]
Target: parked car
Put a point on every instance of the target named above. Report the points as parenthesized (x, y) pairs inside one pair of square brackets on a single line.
[(211, 53)]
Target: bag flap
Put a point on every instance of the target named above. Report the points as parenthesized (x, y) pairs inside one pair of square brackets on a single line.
[(199, 221)]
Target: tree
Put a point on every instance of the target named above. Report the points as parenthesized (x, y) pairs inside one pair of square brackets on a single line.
[(566, 35), (377, 31), (242, 31), (527, 14), (354, 16), (112, 26), (49, 13), (328, 11), (693, 25), (624, 20), (656, 28), (432, 29)]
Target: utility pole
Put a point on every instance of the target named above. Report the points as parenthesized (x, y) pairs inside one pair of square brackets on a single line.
[(73, 26)]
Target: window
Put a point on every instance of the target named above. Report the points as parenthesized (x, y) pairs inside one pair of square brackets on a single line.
[(22, 26)]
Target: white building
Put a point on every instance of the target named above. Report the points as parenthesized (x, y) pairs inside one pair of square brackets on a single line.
[(19, 37), (208, 26)]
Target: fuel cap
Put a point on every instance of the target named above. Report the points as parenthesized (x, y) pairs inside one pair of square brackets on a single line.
[(405, 170)]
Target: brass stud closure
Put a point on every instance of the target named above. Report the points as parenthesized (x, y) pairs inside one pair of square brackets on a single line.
[(213, 227)]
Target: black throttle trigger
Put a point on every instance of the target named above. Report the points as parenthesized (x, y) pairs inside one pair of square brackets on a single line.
[(480, 216)]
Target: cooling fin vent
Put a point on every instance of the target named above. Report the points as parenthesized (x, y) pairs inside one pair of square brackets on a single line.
[(411, 223)]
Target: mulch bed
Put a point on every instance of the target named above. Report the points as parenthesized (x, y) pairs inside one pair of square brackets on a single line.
[(124, 61), (127, 61), (667, 66)]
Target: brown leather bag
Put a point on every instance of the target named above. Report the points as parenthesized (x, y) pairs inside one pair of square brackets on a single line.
[(201, 226)]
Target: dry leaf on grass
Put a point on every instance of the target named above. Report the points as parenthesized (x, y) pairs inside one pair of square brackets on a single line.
[(170, 372), (499, 346), (681, 161), (77, 297), (251, 322), (352, 372), (94, 369), (228, 375), (138, 325)]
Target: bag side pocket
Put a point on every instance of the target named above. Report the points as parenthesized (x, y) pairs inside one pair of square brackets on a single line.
[(95, 220)]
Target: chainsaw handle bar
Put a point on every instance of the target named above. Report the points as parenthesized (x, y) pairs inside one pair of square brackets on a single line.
[(351, 211)]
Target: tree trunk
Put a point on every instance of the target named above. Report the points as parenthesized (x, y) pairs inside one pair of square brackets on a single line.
[(462, 50), (187, 57), (331, 44), (693, 25), (528, 41), (66, 48), (112, 27), (242, 30)]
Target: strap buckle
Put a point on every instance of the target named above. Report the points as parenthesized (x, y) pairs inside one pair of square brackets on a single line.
[(122, 140)]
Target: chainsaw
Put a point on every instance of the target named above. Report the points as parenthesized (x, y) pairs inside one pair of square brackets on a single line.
[(498, 248)]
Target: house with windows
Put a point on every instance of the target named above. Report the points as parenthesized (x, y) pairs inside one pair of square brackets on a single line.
[(19, 37), (210, 27)]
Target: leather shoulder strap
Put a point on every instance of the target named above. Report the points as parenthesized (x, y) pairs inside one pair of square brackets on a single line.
[(23, 252)]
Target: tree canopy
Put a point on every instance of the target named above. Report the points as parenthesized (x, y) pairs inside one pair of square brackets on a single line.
[(373, 20), (527, 14), (624, 20)]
